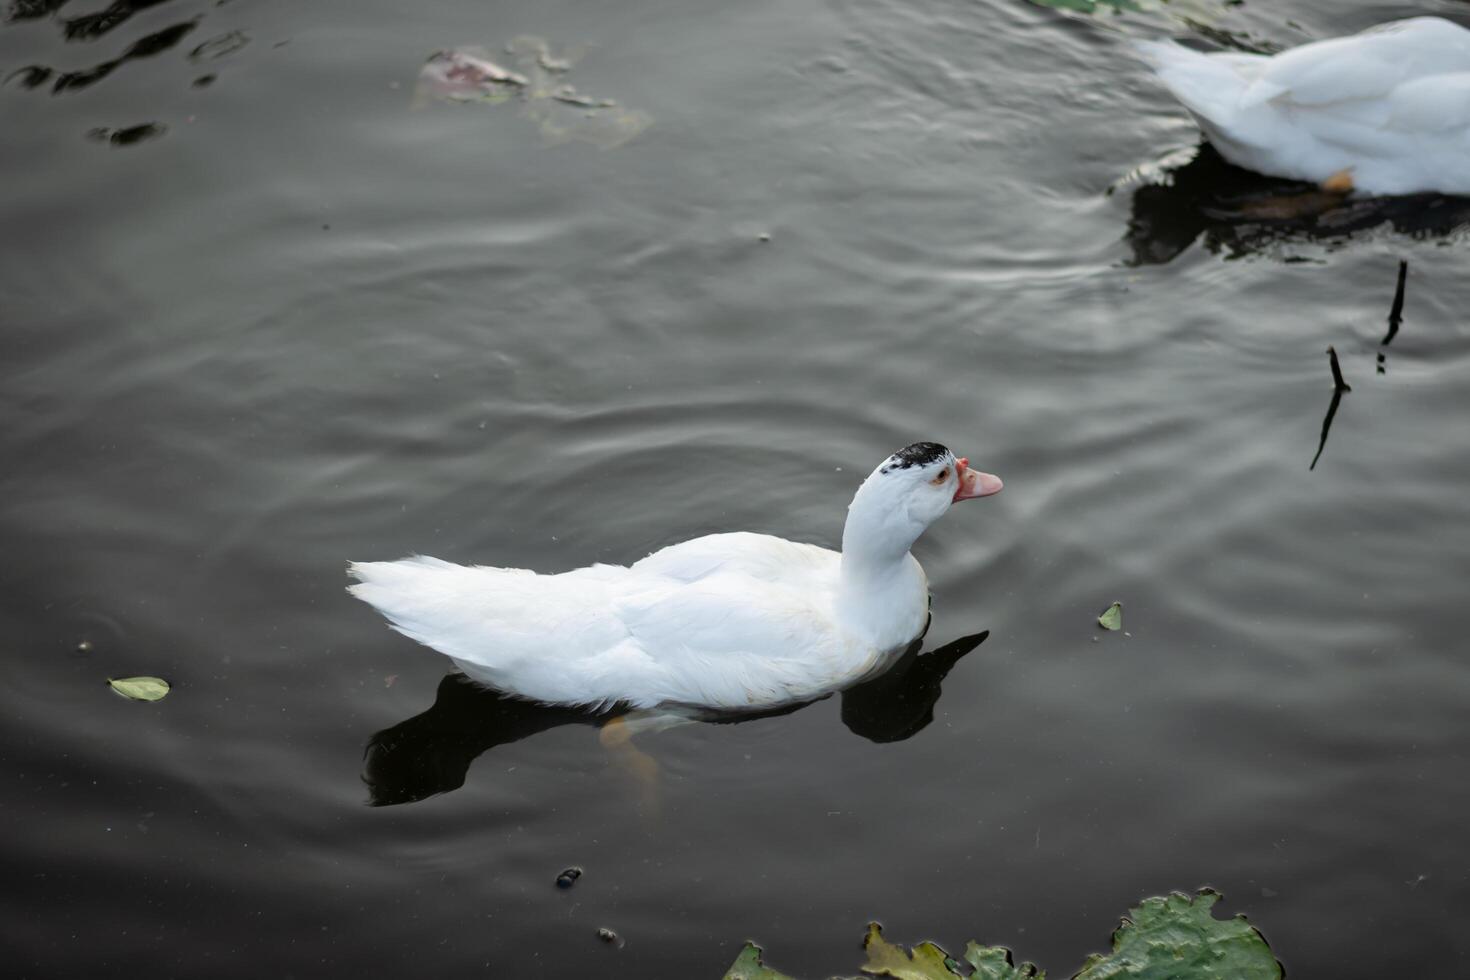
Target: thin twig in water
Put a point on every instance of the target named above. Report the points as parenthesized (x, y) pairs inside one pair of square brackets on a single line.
[(1337, 380), (1396, 312), (1327, 426), (1338, 387)]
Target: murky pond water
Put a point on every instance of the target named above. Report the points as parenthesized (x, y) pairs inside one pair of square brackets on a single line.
[(262, 315)]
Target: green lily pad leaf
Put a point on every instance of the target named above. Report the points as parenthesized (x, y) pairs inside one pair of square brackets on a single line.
[(1177, 937), (994, 963), (140, 688), (1112, 617), (1169, 938), (748, 966), (928, 961)]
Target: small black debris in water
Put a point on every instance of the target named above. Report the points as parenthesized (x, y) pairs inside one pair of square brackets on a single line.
[(220, 46), (129, 135), (569, 877), (204, 81)]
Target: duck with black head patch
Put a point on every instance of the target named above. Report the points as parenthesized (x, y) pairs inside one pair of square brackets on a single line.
[(737, 621)]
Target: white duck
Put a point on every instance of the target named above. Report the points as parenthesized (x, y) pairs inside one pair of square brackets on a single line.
[(726, 621), (1386, 111)]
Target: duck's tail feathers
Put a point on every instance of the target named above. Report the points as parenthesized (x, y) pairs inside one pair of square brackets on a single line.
[(426, 599), (1211, 86)]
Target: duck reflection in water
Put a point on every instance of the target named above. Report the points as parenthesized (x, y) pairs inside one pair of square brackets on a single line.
[(1239, 212), (431, 752)]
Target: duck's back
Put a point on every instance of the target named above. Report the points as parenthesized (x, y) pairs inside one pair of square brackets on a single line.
[(761, 556)]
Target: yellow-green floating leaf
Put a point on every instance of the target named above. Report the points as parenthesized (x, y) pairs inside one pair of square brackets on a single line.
[(1172, 937), (1112, 617), (140, 688), (928, 961), (748, 966)]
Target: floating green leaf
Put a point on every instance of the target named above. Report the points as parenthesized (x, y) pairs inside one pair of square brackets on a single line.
[(994, 963), (748, 966), (1176, 938), (140, 688), (1169, 938), (1112, 617), (928, 961)]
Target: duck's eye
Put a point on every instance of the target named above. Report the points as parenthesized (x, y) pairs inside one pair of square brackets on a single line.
[(943, 475)]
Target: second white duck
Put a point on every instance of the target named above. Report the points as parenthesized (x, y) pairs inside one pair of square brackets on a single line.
[(1386, 111), (727, 621)]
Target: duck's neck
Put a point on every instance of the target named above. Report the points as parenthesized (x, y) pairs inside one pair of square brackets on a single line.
[(883, 593)]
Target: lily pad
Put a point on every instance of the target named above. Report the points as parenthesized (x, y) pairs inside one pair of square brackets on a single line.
[(994, 963), (1112, 617), (1169, 938), (927, 962), (748, 966), (140, 688), (1177, 937)]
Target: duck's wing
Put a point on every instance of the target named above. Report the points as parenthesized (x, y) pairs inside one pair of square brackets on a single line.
[(1391, 106), (1364, 67), (1437, 104), (734, 641)]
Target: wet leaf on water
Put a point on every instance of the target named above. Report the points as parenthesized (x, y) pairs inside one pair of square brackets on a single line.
[(927, 962), (748, 966), (140, 688), (1176, 937), (1112, 617), (994, 963), (466, 75), (530, 76), (1169, 938)]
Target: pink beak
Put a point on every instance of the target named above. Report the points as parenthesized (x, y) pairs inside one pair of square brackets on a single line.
[(973, 483)]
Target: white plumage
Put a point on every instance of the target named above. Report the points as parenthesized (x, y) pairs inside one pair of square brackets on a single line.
[(728, 621), (1390, 107)]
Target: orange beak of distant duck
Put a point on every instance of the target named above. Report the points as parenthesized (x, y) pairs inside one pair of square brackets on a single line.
[(973, 483)]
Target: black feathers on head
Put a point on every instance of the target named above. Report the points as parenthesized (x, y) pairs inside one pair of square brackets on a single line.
[(919, 454)]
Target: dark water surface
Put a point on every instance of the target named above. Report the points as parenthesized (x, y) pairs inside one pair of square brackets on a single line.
[(298, 321)]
